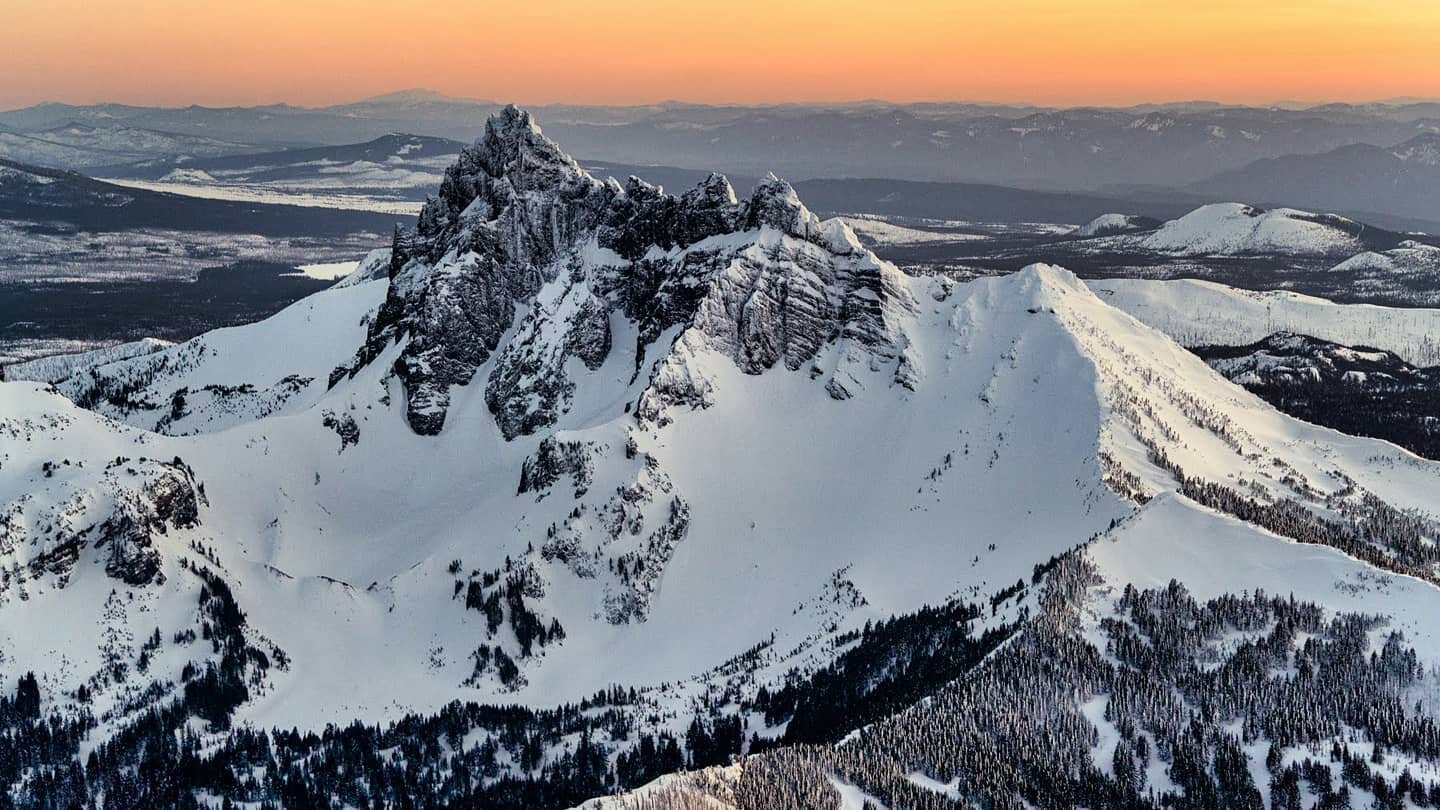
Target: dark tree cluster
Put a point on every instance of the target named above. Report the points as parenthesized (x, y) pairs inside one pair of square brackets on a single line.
[(1177, 678), (1358, 390), (500, 596), (895, 663)]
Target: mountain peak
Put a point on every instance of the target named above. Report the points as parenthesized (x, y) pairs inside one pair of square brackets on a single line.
[(413, 95), (514, 146), (1235, 228), (516, 216), (775, 203)]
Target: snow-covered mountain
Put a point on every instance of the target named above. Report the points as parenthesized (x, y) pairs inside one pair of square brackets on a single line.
[(1409, 263), (582, 434), (1199, 313), (1239, 229), (1111, 224)]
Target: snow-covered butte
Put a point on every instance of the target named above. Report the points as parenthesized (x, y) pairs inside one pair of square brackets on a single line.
[(1225, 229), (1111, 224)]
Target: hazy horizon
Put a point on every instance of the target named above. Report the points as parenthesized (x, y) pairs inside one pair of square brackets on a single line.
[(1039, 52), (1297, 103)]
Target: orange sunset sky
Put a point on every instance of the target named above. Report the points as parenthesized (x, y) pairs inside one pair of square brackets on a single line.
[(225, 52)]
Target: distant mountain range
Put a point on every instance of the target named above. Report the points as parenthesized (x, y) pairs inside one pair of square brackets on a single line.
[(1402, 180), (1009, 145), (50, 196), (83, 146)]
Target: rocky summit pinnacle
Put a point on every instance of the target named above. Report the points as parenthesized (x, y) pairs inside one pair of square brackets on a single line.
[(762, 281)]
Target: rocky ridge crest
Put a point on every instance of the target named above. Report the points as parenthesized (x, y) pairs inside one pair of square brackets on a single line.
[(522, 240)]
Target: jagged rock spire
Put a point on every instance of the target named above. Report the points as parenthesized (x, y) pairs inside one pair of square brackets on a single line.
[(515, 213)]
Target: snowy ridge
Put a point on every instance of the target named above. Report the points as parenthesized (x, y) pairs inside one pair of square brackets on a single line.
[(1196, 313), (60, 367), (227, 376)]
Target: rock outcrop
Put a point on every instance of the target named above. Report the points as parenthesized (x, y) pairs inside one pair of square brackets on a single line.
[(521, 240)]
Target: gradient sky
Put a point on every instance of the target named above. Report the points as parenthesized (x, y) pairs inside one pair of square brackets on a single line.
[(220, 52)]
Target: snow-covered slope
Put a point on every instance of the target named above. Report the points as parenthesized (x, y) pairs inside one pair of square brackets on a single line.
[(582, 434), (225, 377), (1409, 262), (1238, 229), (57, 368), (1111, 224), (1196, 313)]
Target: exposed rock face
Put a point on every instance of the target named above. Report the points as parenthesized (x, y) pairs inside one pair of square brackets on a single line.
[(507, 208), (120, 513), (784, 301), (167, 499), (521, 238)]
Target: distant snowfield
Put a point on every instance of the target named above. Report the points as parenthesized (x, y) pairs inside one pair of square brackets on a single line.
[(1194, 313), (256, 194), (881, 232), (329, 271), (1227, 229)]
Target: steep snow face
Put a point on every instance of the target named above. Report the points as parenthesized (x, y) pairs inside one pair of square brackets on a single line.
[(374, 267), (1225, 229), (636, 537)]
